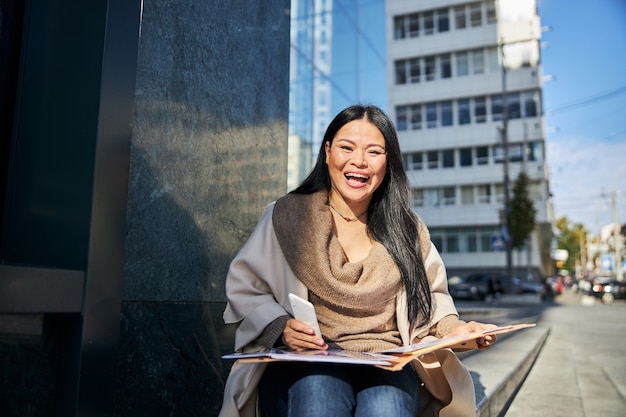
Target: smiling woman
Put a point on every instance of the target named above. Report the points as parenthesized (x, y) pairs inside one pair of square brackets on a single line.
[(347, 240)]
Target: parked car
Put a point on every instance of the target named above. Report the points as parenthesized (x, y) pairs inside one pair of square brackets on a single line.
[(480, 286), (608, 289)]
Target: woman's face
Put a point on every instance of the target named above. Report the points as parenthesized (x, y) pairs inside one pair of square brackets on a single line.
[(356, 161)]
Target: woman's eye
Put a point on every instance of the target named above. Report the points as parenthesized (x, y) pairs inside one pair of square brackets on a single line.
[(346, 148)]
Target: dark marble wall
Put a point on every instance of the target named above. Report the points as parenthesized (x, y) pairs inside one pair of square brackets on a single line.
[(209, 151)]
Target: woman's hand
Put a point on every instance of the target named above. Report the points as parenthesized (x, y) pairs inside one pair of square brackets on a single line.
[(471, 327), (300, 336)]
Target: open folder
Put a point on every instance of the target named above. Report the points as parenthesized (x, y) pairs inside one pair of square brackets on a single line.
[(392, 359)]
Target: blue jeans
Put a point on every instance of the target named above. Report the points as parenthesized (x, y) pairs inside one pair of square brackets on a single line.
[(301, 389)]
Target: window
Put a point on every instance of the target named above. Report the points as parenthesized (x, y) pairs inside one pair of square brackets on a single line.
[(464, 111), (482, 155), (399, 31), (470, 240), (513, 105), (462, 65), (478, 61), (400, 67), (414, 25), (491, 12), (496, 108), (534, 151), (499, 193), (429, 68), (443, 23), (414, 70), (431, 115), (465, 157), (414, 161), (446, 66), (516, 152), (530, 104), (460, 21), (449, 196), (432, 197), (401, 118), (416, 117), (433, 159), (467, 195), (446, 113), (476, 15), (484, 194), (447, 158), (452, 243), (480, 110), (417, 197), (429, 23), (493, 62)]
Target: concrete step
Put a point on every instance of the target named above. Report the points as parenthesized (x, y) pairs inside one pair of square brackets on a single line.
[(499, 371)]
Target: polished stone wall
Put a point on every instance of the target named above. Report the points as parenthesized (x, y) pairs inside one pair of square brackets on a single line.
[(209, 151)]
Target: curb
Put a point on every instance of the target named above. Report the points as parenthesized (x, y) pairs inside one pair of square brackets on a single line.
[(499, 372)]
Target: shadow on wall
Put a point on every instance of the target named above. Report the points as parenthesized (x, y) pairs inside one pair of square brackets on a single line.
[(172, 334)]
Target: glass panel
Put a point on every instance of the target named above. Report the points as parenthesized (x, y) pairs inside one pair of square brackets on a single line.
[(414, 25), (418, 197), (496, 108), (482, 155), (467, 195), (476, 16), (464, 111), (449, 196), (433, 159), (429, 68), (429, 23), (448, 158), (431, 115), (478, 61), (465, 157), (480, 110), (462, 67), (414, 70), (446, 113), (399, 31), (416, 117), (513, 105), (400, 67), (446, 66), (443, 23), (401, 118), (530, 104), (460, 21)]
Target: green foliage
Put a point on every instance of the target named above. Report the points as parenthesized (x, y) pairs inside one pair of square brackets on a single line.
[(522, 212), (571, 237)]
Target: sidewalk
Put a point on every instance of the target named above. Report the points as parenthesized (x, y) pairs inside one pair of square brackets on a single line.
[(572, 364), (581, 370)]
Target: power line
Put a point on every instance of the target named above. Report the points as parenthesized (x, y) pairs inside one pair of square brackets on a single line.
[(589, 100)]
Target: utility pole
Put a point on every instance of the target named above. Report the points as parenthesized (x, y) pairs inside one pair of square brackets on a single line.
[(619, 272), (505, 164)]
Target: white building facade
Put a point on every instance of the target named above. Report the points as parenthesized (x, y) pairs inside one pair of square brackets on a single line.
[(451, 100)]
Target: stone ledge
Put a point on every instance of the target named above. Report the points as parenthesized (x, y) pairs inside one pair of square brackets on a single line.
[(499, 372)]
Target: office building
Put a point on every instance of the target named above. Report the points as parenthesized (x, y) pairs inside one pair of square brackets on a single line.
[(465, 92)]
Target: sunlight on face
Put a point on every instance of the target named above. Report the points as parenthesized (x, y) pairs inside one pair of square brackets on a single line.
[(356, 161)]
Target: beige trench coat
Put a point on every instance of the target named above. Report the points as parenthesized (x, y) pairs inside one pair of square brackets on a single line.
[(258, 283)]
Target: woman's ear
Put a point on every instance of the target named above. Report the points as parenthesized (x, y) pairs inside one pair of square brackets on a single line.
[(327, 149)]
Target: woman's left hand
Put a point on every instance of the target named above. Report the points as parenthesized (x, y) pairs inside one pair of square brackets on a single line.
[(473, 326)]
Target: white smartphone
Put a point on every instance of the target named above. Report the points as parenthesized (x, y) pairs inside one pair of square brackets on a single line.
[(304, 311)]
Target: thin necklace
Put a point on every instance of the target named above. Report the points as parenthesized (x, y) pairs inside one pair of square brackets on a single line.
[(348, 219)]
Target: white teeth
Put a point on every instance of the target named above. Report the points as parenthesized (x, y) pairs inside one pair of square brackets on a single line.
[(357, 176)]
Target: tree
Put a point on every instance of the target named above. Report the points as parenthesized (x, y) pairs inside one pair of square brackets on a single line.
[(522, 212), (570, 238)]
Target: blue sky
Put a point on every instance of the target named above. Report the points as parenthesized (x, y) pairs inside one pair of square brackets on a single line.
[(584, 55)]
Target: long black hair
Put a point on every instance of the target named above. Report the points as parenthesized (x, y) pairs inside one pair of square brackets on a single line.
[(390, 218)]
